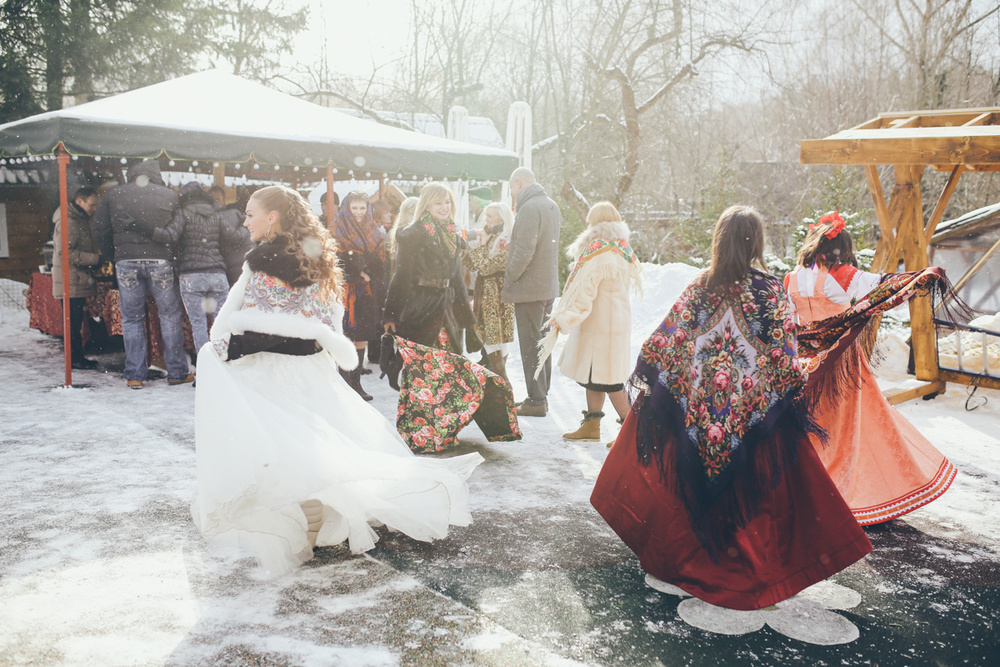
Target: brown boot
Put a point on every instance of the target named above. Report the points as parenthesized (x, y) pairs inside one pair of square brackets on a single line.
[(498, 364), (590, 427)]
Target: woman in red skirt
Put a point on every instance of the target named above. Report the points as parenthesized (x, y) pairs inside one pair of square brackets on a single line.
[(712, 481)]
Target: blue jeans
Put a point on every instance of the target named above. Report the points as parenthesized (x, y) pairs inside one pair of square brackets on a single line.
[(136, 277), (203, 294)]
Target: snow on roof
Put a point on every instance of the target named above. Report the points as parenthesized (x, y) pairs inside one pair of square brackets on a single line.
[(482, 131), (217, 116)]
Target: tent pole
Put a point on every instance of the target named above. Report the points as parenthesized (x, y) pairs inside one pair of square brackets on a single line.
[(330, 208), (64, 242), (381, 188)]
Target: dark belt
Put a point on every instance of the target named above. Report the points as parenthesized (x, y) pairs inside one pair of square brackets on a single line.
[(427, 282), (251, 342)]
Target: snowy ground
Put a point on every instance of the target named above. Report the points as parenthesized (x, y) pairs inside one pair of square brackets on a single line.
[(100, 563)]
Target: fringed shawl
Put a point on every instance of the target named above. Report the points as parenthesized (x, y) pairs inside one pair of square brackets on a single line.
[(825, 346), (712, 383)]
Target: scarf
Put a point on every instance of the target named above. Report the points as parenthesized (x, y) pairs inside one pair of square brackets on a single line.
[(445, 233), (365, 237), (714, 380)]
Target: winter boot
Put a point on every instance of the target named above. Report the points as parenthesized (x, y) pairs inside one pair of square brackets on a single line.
[(498, 364), (313, 509), (361, 362), (590, 427)]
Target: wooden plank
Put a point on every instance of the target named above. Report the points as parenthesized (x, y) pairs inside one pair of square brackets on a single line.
[(879, 149), (912, 121), (986, 118), (942, 203), (897, 396), (964, 379)]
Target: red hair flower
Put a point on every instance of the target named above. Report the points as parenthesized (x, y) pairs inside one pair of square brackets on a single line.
[(831, 219)]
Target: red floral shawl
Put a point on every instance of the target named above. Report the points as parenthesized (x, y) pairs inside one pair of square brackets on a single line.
[(714, 380)]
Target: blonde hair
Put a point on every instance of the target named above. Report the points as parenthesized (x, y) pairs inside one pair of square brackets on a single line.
[(308, 240), (428, 195), (403, 218), (603, 211)]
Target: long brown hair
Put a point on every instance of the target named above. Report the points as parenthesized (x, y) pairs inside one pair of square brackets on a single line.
[(308, 240), (737, 242), (817, 248)]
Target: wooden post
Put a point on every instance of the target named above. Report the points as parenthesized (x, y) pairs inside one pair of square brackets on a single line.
[(381, 188), (913, 251), (219, 178), (63, 158), (331, 209)]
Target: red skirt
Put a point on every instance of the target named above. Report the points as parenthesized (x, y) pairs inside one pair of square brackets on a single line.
[(803, 532)]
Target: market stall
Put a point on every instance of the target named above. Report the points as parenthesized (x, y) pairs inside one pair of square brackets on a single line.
[(220, 124)]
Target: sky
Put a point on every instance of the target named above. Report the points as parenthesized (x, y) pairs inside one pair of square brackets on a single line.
[(361, 34)]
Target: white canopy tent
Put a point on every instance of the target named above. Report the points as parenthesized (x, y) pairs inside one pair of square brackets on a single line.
[(228, 122)]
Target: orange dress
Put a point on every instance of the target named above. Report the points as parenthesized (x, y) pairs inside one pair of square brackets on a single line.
[(878, 460)]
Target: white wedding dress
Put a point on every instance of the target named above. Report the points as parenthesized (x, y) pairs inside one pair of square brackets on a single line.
[(274, 430)]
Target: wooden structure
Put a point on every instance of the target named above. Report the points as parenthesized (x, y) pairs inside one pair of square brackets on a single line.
[(955, 141)]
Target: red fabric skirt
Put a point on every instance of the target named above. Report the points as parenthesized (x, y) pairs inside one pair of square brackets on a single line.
[(803, 532)]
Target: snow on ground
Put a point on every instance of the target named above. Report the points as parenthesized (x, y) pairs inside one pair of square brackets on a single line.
[(101, 564)]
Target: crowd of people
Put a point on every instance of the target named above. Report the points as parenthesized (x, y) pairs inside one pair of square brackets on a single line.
[(754, 443)]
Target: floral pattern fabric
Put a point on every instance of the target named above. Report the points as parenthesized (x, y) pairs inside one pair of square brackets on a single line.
[(441, 393), (726, 360)]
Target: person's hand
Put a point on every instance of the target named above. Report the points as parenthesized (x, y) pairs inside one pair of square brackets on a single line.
[(555, 327), (364, 276), (390, 326)]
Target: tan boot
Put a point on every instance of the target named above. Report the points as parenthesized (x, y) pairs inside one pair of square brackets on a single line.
[(590, 427), (498, 364), (313, 509)]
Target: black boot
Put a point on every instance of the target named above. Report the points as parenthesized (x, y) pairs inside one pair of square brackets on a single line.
[(361, 362), (354, 378)]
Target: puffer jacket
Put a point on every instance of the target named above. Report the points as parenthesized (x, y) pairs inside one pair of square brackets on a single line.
[(144, 198), (197, 232), (235, 250), (83, 256)]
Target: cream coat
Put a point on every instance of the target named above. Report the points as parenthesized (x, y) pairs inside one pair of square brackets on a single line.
[(595, 312)]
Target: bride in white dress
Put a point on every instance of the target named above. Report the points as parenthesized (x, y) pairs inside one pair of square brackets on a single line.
[(289, 456)]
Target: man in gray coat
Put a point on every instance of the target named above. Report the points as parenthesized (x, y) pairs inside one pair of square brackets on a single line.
[(143, 265), (531, 281)]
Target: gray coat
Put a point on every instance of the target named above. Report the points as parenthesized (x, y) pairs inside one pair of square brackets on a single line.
[(144, 198), (532, 265)]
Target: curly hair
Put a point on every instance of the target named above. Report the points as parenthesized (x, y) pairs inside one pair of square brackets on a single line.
[(308, 240)]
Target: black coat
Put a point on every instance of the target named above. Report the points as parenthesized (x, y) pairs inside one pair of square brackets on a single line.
[(427, 291), (197, 233), (144, 198)]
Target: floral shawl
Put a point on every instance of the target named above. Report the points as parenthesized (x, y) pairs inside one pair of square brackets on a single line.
[(714, 380), (824, 345), (445, 233), (365, 237), (441, 392)]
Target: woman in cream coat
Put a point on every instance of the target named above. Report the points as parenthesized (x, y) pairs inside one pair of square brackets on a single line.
[(595, 312)]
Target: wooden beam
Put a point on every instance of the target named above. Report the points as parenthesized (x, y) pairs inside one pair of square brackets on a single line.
[(912, 121), (942, 203), (913, 251), (962, 378), (978, 145), (881, 212), (900, 395), (986, 118)]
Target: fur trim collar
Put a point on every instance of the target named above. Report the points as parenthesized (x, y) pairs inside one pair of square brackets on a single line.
[(614, 229), (274, 259)]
